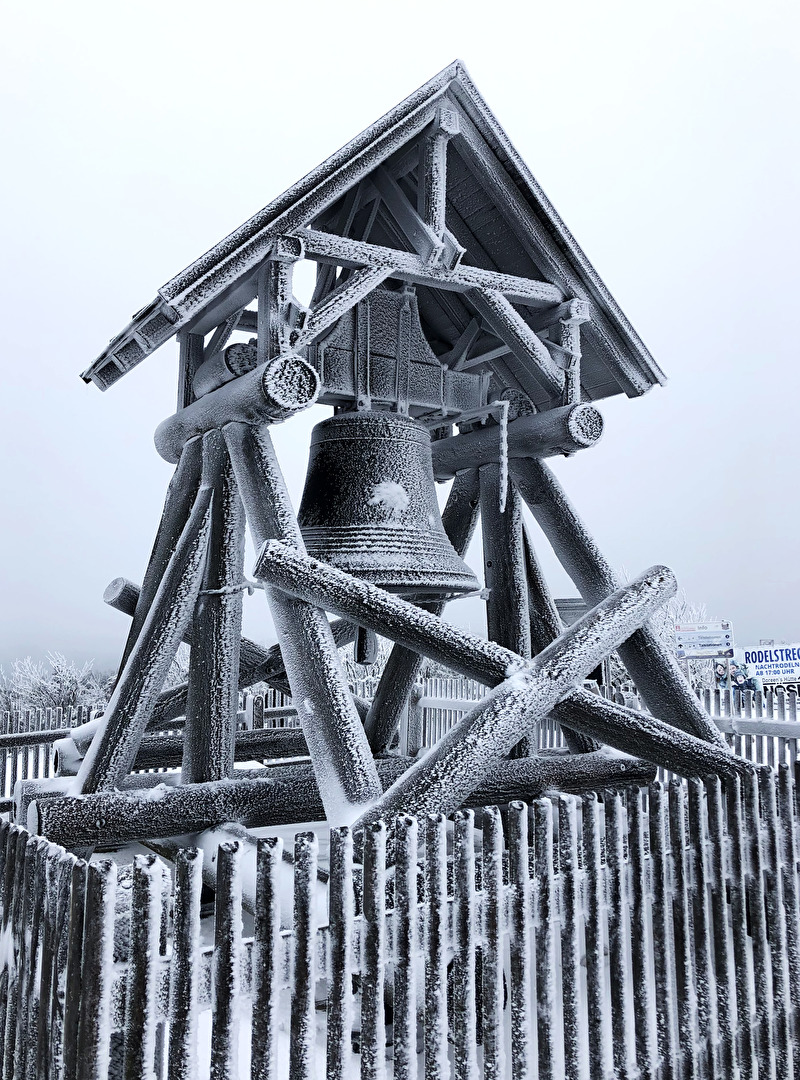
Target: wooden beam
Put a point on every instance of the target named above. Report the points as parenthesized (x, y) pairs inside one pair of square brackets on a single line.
[(213, 691), (507, 618), (422, 238), (268, 394), (333, 729), (128, 713), (288, 794), (190, 357), (433, 170), (406, 266), (522, 342), (360, 284), (541, 435)]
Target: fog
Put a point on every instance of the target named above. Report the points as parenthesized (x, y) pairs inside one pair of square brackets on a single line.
[(136, 136)]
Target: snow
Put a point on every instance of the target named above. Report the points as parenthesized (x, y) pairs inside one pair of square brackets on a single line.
[(392, 496)]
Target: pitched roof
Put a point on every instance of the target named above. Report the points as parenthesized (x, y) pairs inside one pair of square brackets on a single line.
[(495, 210)]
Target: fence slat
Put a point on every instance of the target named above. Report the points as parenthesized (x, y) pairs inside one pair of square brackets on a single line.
[(227, 963), (641, 942), (569, 901), (373, 1029), (762, 965), (436, 1063), (406, 946), (492, 956), (520, 932), (549, 1063), (266, 956), (727, 1020), (465, 1031), (682, 932), (94, 1030), (593, 932), (742, 958), (701, 915), (184, 975), (621, 1004), (301, 1051), (143, 963), (776, 918)]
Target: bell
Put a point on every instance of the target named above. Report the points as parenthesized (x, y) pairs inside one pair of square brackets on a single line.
[(369, 506)]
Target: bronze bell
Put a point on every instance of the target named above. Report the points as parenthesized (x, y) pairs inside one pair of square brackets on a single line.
[(369, 506)]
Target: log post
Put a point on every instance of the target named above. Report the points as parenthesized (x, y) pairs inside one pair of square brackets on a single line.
[(546, 626), (213, 688), (336, 740), (122, 726), (652, 666), (403, 665), (507, 616)]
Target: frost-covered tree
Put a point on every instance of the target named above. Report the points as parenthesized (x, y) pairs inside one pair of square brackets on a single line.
[(58, 683)]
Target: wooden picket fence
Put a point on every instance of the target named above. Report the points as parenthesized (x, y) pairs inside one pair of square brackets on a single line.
[(646, 932)]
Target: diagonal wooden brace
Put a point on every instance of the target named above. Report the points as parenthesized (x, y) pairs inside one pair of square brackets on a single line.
[(652, 666), (336, 739), (123, 724), (442, 780), (482, 660)]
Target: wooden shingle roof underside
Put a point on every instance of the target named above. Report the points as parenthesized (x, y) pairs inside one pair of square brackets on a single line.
[(494, 209)]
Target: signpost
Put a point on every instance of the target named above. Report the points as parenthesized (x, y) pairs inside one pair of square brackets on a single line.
[(703, 641)]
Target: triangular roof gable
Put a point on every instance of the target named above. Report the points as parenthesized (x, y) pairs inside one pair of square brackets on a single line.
[(492, 196)]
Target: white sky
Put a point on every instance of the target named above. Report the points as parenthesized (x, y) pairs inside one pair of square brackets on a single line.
[(137, 135)]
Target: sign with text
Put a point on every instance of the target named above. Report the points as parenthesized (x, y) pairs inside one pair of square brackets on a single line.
[(703, 641), (772, 664)]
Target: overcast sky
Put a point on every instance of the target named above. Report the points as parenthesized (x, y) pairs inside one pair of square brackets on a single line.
[(137, 135)]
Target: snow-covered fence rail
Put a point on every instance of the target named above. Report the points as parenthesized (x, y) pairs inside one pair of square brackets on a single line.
[(26, 743), (646, 932)]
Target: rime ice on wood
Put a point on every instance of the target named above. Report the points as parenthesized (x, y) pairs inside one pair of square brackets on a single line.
[(457, 331)]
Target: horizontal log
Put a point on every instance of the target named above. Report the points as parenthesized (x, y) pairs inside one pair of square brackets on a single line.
[(406, 266), (268, 394), (292, 796), (166, 751), (542, 435)]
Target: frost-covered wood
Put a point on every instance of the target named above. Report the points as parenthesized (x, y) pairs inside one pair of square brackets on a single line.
[(652, 666), (541, 435), (279, 795), (130, 709), (180, 499), (334, 733), (268, 394), (213, 685)]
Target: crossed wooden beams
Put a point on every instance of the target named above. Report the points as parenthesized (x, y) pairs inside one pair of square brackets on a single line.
[(346, 779)]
